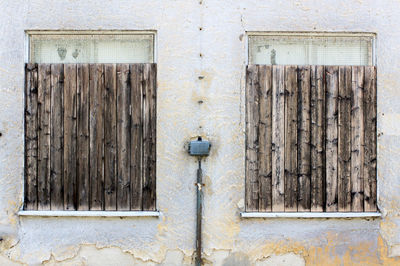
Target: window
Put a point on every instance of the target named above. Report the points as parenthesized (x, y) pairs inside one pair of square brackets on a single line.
[(90, 129), (311, 49), (69, 47), (310, 132)]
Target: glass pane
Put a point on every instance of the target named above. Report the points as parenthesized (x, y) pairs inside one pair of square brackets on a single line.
[(92, 48), (310, 50)]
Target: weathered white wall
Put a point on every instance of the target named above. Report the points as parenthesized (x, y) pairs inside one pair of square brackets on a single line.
[(228, 240)]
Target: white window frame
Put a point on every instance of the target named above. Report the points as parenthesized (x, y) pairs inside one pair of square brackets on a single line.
[(28, 34), (312, 215)]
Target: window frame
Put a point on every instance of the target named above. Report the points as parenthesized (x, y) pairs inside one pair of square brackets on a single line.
[(88, 213), (258, 214)]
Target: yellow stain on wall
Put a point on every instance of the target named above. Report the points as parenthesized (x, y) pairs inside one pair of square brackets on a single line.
[(364, 253)]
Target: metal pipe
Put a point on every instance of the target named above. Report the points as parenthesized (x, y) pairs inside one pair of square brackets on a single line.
[(199, 186)]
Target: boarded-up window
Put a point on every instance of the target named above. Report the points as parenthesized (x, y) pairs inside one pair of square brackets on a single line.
[(90, 137), (311, 138)]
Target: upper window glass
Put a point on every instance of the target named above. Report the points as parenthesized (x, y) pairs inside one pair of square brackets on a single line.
[(91, 48), (309, 49)]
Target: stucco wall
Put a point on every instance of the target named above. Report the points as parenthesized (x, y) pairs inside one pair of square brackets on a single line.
[(228, 240)]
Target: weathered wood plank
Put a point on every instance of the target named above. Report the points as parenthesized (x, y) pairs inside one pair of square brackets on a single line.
[(357, 140), (123, 137), (317, 138), (344, 139), (253, 115), (31, 136), (290, 118), (136, 78), (332, 84), (278, 138), (370, 139), (149, 133), (96, 129), (265, 138), (44, 109), (110, 137), (336, 166), (70, 137), (56, 137), (304, 140), (83, 103)]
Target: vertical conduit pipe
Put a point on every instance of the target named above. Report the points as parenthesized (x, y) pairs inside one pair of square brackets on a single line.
[(199, 148), (199, 186)]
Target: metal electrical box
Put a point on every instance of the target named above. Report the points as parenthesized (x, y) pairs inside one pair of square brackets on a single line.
[(199, 147)]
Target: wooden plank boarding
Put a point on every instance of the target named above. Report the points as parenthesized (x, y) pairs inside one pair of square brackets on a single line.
[(317, 106), (136, 78), (265, 138), (357, 140), (110, 137), (56, 138), (59, 137), (252, 139), (370, 139), (123, 137), (278, 138), (70, 148), (44, 109), (344, 139), (96, 143), (31, 136), (336, 138), (149, 133), (290, 118), (80, 120), (331, 137), (304, 139), (83, 103)]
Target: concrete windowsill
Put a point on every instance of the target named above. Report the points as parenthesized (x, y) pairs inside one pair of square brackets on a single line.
[(301, 215), (90, 213)]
